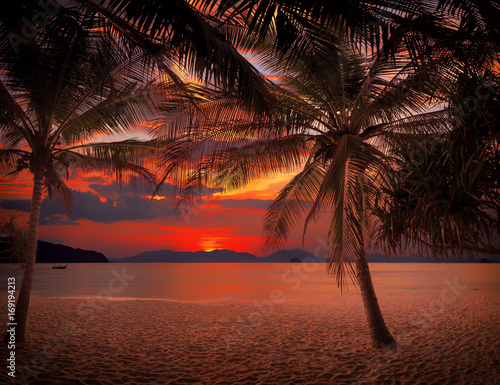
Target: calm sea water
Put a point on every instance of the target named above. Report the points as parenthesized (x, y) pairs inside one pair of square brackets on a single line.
[(244, 282)]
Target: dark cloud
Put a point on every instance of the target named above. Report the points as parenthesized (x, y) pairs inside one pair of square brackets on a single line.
[(57, 219), (90, 179), (135, 185), (122, 205), (16, 204), (114, 188), (87, 205)]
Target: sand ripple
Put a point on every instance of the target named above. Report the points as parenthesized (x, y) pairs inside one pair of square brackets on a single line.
[(156, 342)]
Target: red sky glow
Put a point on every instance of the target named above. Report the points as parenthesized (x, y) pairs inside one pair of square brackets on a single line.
[(122, 221)]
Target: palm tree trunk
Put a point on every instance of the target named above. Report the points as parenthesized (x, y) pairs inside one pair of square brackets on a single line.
[(381, 337), (23, 300)]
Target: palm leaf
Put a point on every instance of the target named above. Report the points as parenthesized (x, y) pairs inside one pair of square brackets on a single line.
[(291, 203)]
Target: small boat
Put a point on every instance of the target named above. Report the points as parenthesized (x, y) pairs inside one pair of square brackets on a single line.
[(60, 267)]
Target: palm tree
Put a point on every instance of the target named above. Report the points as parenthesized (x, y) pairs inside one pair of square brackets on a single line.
[(423, 27), (335, 115), (15, 238), (188, 33), (63, 91), (207, 36), (312, 128), (444, 198)]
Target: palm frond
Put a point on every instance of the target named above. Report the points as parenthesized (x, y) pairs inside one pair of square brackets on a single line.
[(194, 39), (125, 158), (440, 202), (15, 237), (291, 204), (15, 124)]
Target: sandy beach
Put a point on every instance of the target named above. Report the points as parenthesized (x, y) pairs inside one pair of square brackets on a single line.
[(157, 342)]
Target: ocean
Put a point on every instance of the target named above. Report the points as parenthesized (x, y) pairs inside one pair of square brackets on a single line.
[(246, 282)]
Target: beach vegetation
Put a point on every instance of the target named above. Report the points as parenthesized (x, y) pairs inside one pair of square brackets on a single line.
[(63, 93), (352, 91)]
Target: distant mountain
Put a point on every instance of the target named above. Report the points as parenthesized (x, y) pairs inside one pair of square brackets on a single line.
[(54, 253), (227, 256), (171, 256), (296, 255)]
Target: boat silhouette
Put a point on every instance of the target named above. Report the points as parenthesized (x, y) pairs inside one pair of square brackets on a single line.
[(60, 267)]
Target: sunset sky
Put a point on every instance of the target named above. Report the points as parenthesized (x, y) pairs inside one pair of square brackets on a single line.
[(122, 221)]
